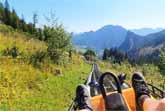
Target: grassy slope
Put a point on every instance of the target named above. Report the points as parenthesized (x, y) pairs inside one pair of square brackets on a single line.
[(25, 88)]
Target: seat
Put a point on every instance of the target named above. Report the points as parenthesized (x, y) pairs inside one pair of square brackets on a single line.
[(113, 101)]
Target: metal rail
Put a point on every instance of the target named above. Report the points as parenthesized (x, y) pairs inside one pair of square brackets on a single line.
[(94, 82), (72, 106), (156, 92)]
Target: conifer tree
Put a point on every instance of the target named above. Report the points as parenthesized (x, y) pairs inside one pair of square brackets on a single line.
[(14, 20), (23, 25), (105, 54), (1, 13), (30, 28), (162, 62), (7, 15), (35, 21)]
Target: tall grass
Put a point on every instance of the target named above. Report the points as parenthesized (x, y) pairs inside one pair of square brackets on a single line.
[(24, 87)]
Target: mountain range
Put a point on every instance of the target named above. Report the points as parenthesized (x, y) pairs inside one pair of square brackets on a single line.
[(146, 31), (116, 36), (106, 37)]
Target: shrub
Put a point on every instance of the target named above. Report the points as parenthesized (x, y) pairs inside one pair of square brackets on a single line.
[(58, 43), (37, 58), (14, 52), (90, 55)]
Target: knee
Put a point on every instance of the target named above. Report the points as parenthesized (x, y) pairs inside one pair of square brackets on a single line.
[(161, 105), (162, 101)]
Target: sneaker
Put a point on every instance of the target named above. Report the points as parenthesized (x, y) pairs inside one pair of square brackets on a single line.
[(140, 87), (83, 98)]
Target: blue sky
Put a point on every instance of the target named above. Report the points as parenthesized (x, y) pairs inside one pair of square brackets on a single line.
[(86, 15)]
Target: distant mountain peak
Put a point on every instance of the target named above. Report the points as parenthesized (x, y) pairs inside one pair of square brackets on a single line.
[(111, 26), (146, 31), (105, 37)]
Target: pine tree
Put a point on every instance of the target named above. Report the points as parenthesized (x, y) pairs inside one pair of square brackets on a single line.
[(1, 13), (35, 21), (14, 20), (162, 62), (40, 34), (23, 25), (105, 54), (7, 15), (30, 28)]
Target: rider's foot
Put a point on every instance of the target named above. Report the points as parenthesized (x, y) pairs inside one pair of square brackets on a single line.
[(83, 98), (140, 88)]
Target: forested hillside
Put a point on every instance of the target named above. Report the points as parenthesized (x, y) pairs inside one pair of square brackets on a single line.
[(144, 49)]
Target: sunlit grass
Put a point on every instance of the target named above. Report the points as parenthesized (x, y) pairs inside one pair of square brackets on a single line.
[(26, 88)]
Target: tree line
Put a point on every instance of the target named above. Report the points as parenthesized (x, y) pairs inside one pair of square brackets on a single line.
[(54, 34), (9, 17), (115, 55)]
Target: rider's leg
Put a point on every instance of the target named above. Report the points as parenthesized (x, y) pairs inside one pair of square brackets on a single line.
[(141, 90), (149, 104), (142, 93)]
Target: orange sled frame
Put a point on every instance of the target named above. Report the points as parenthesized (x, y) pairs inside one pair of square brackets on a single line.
[(128, 94)]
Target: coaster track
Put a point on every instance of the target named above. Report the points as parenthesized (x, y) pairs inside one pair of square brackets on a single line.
[(92, 84)]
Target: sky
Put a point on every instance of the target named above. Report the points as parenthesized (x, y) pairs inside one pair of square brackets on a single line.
[(87, 15)]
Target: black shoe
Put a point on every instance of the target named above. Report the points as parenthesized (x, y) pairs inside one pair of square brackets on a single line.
[(83, 98), (140, 87)]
